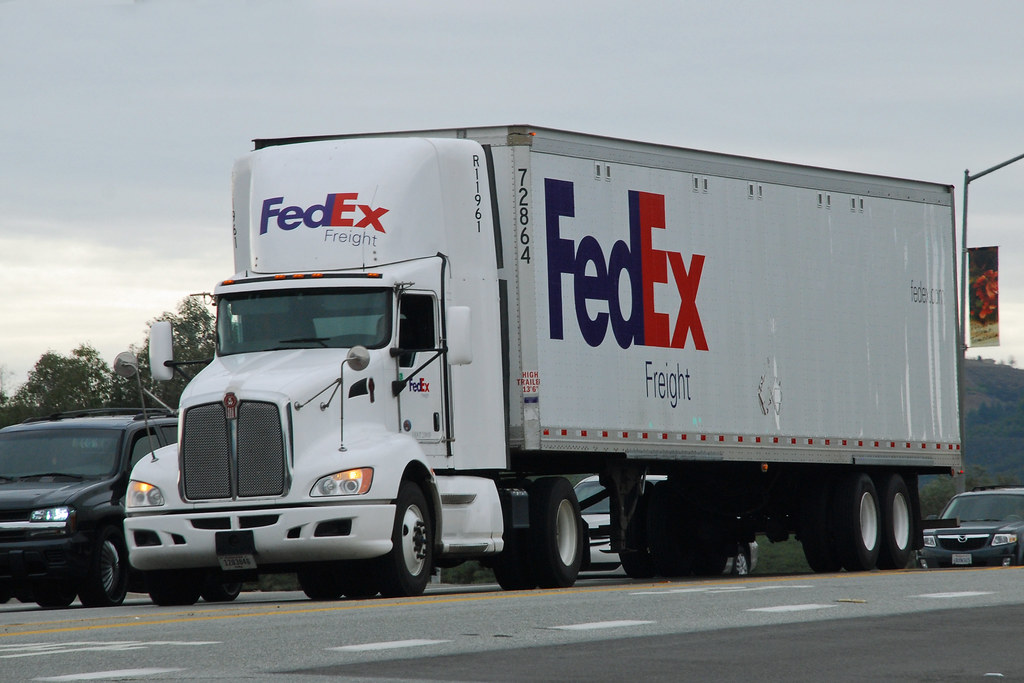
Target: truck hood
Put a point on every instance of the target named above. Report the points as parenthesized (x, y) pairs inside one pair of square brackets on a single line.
[(297, 374), (35, 494)]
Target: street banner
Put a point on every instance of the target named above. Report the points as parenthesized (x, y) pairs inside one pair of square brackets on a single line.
[(983, 294)]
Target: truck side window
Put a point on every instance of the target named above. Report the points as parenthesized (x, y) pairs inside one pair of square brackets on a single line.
[(416, 331)]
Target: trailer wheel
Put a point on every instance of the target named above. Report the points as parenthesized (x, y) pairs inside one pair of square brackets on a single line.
[(855, 516), (557, 535), (897, 521), (668, 536), (815, 529), (107, 581), (174, 586), (405, 571)]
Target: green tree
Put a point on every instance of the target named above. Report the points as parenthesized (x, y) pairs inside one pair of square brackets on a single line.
[(194, 339), (59, 383)]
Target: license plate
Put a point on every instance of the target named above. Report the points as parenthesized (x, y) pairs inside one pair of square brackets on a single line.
[(236, 562), (961, 558), (236, 550)]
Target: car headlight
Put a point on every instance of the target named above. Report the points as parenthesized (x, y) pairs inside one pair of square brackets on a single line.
[(143, 495), (55, 521), (1003, 539), (929, 541), (58, 514), (348, 483)]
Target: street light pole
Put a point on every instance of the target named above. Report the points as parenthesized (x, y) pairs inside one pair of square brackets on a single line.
[(968, 179)]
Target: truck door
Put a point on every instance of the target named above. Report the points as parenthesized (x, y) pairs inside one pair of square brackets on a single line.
[(421, 412)]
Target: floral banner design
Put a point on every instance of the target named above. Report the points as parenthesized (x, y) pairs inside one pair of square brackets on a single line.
[(983, 294)]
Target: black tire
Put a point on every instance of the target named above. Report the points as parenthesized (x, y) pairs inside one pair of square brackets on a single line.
[(320, 581), (53, 593), (709, 560), (218, 588), (557, 536), (668, 537), (512, 567), (855, 515), (897, 522), (174, 587), (106, 584), (405, 571), (638, 563), (5, 593), (359, 579), (815, 531)]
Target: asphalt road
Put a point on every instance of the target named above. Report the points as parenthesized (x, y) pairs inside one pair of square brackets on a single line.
[(901, 626)]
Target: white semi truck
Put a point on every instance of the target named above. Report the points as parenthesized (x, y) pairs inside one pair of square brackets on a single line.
[(426, 331)]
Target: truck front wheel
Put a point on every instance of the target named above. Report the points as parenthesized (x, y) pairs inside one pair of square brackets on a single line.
[(556, 532), (174, 587), (405, 571)]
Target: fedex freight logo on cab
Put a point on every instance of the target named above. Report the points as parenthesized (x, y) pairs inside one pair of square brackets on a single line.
[(644, 265), (341, 209)]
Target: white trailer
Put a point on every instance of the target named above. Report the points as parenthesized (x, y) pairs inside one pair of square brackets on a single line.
[(426, 330)]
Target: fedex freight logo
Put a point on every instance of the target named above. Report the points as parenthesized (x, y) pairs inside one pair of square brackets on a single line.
[(420, 386), (341, 210), (644, 265)]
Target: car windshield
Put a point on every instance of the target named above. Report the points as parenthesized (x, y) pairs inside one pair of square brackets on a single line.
[(587, 489), (74, 453), (303, 319), (994, 507)]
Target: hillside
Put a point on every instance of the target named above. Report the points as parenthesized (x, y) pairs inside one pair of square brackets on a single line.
[(994, 416)]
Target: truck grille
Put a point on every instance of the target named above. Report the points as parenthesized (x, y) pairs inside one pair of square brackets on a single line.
[(215, 465)]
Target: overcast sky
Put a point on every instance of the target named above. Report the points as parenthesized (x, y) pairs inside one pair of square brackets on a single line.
[(120, 120)]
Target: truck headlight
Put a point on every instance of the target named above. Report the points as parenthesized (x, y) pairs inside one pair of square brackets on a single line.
[(1003, 539), (143, 495), (348, 483), (929, 541)]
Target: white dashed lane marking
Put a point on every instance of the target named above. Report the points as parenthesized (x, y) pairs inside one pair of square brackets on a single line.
[(390, 645), (109, 675), (791, 608), (600, 624), (45, 649), (947, 596)]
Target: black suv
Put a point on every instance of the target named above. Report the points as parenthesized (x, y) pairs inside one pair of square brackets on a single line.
[(991, 522), (62, 486)]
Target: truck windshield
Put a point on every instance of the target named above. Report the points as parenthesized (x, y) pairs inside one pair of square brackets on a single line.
[(56, 453), (303, 318)]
